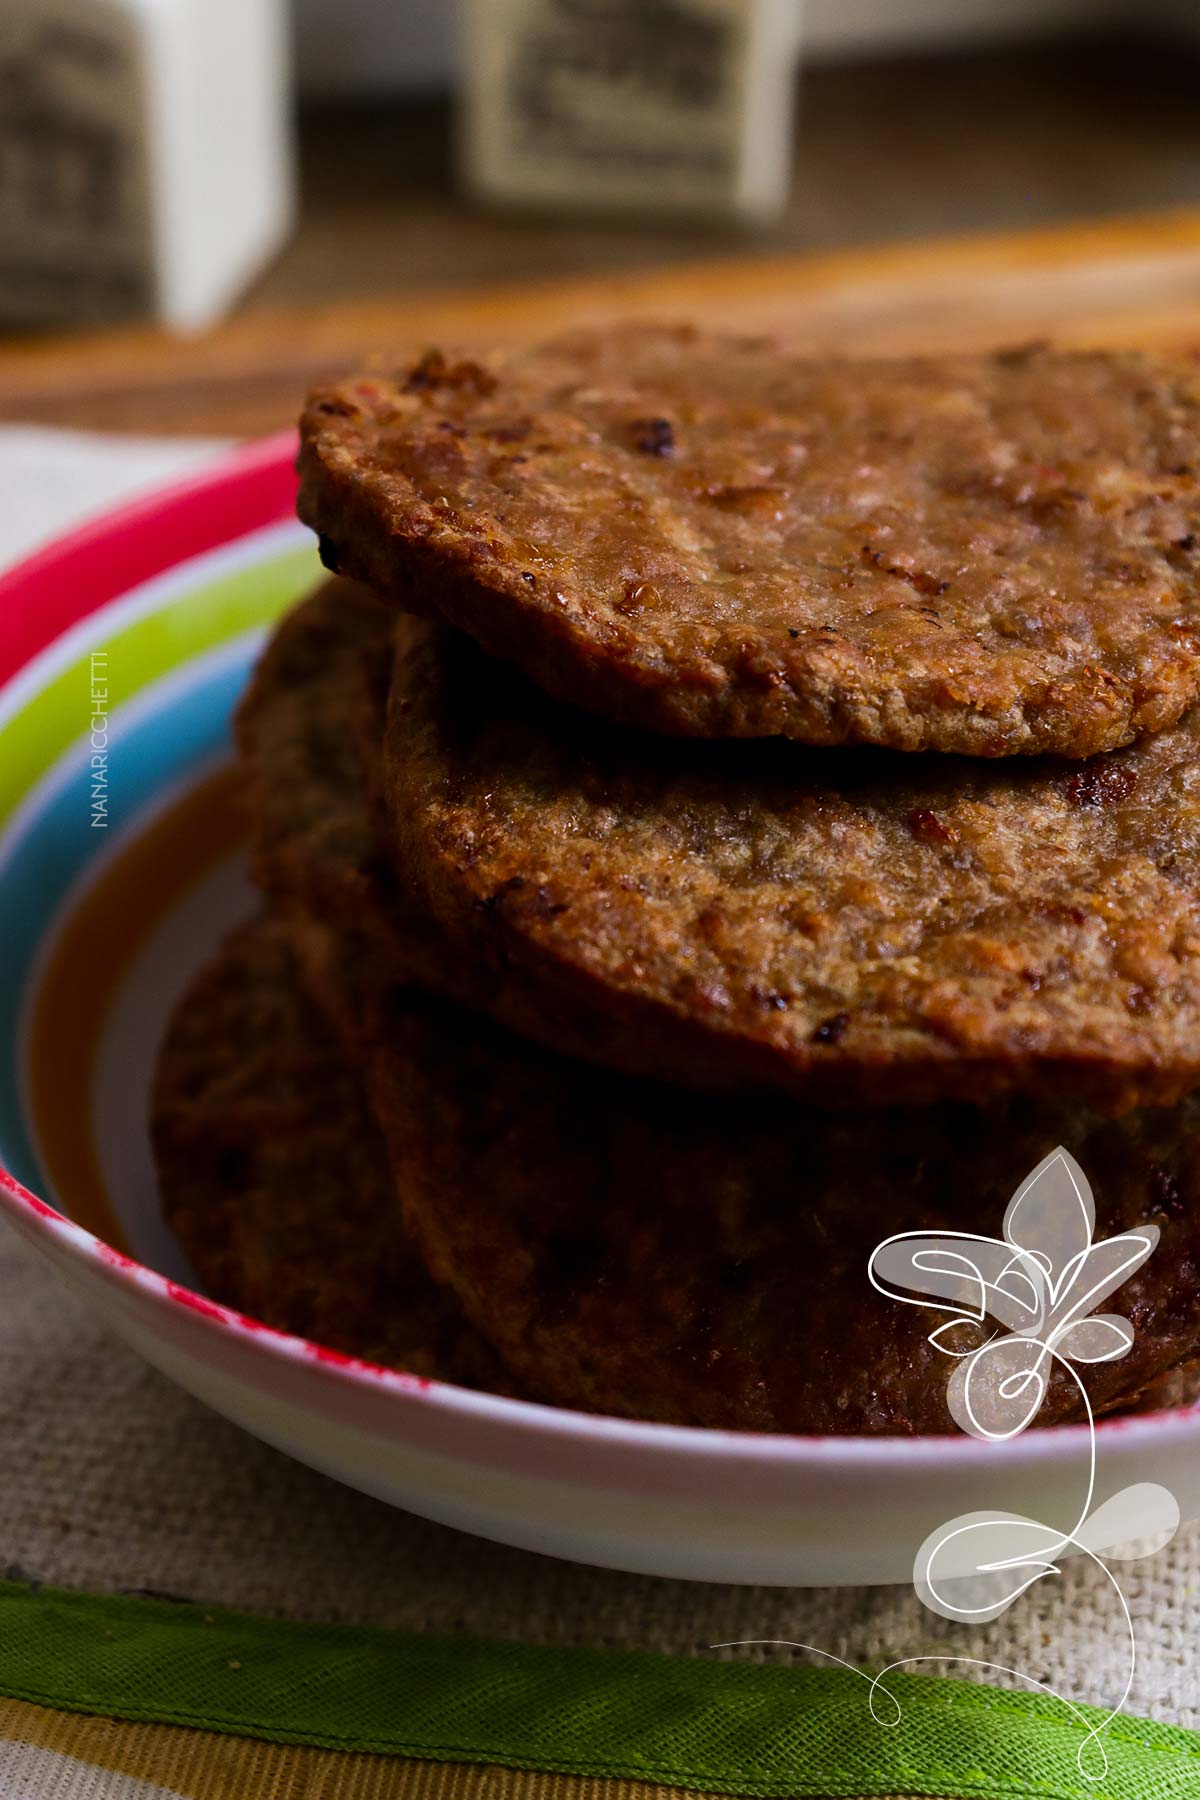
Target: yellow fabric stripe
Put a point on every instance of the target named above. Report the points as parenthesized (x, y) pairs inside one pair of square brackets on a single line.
[(204, 1765)]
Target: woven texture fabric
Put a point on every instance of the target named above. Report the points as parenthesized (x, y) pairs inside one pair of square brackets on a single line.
[(66, 1756), (598, 1714), (114, 1480)]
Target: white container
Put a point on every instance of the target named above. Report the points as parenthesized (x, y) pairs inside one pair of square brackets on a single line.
[(145, 156), (647, 106)]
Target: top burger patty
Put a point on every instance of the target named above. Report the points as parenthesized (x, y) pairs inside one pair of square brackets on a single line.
[(715, 537)]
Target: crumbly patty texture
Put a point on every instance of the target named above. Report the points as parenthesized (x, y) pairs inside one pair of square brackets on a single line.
[(620, 1244), (275, 1180), (715, 537), (858, 929), (634, 1249), (300, 737), (310, 733)]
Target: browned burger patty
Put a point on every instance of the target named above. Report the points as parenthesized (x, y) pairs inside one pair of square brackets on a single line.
[(275, 1181), (638, 1250), (717, 538), (855, 928), (300, 735), (628, 1246), (310, 730), (307, 728)]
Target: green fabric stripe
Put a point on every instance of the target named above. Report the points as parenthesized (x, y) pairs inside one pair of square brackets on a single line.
[(144, 651), (717, 1726)]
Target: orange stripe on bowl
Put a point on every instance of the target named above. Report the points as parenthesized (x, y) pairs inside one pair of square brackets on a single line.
[(88, 963)]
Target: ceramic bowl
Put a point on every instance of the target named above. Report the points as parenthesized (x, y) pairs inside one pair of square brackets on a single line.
[(122, 649)]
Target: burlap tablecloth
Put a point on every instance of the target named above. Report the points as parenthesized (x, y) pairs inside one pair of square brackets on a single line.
[(113, 1480)]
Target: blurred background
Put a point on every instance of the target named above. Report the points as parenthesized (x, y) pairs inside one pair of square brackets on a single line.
[(326, 138), (202, 202)]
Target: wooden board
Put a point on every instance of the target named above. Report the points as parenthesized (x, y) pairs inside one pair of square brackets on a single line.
[(1123, 281)]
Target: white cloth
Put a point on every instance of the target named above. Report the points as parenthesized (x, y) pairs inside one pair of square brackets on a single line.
[(51, 480)]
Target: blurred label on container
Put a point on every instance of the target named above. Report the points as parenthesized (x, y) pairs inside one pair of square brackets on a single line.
[(75, 220), (145, 156), (650, 106)]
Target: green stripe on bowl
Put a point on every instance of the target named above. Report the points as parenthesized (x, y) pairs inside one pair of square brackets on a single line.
[(187, 625)]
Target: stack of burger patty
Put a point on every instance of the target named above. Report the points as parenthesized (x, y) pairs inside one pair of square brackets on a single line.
[(726, 808)]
